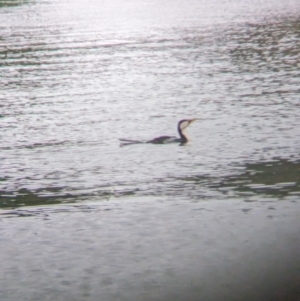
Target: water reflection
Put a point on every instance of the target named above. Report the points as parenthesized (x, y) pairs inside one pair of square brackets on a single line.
[(277, 178), (46, 196), (4, 3)]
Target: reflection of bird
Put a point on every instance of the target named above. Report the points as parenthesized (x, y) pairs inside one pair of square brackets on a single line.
[(182, 125)]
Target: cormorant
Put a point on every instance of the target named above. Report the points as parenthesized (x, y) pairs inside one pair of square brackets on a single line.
[(183, 139)]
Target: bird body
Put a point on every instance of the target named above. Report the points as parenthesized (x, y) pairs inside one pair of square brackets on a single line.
[(164, 140)]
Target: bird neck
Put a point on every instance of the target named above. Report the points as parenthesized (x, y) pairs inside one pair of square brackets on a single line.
[(182, 135)]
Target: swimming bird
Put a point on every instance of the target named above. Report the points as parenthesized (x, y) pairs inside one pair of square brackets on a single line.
[(181, 127)]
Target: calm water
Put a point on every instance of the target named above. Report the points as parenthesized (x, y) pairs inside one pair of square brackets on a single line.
[(78, 75), (194, 222)]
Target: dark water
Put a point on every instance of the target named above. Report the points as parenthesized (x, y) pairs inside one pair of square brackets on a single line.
[(76, 76)]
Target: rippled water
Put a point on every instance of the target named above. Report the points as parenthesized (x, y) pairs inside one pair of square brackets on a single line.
[(76, 76)]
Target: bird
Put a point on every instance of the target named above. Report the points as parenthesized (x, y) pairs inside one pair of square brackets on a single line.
[(181, 127)]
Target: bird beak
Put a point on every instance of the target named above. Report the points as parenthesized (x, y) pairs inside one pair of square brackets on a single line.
[(192, 120)]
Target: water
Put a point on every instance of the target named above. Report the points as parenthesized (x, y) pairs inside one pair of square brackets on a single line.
[(76, 76), (86, 219)]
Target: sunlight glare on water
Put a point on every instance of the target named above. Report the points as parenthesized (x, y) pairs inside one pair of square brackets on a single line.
[(76, 76)]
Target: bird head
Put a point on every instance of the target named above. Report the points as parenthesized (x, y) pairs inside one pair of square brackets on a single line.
[(183, 124)]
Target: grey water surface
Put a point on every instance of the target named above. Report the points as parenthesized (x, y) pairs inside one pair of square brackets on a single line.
[(76, 76), (96, 221)]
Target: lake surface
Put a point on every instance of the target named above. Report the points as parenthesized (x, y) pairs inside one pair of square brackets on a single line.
[(82, 218), (76, 76)]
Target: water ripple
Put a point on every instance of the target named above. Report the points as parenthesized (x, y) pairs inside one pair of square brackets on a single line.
[(72, 83)]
